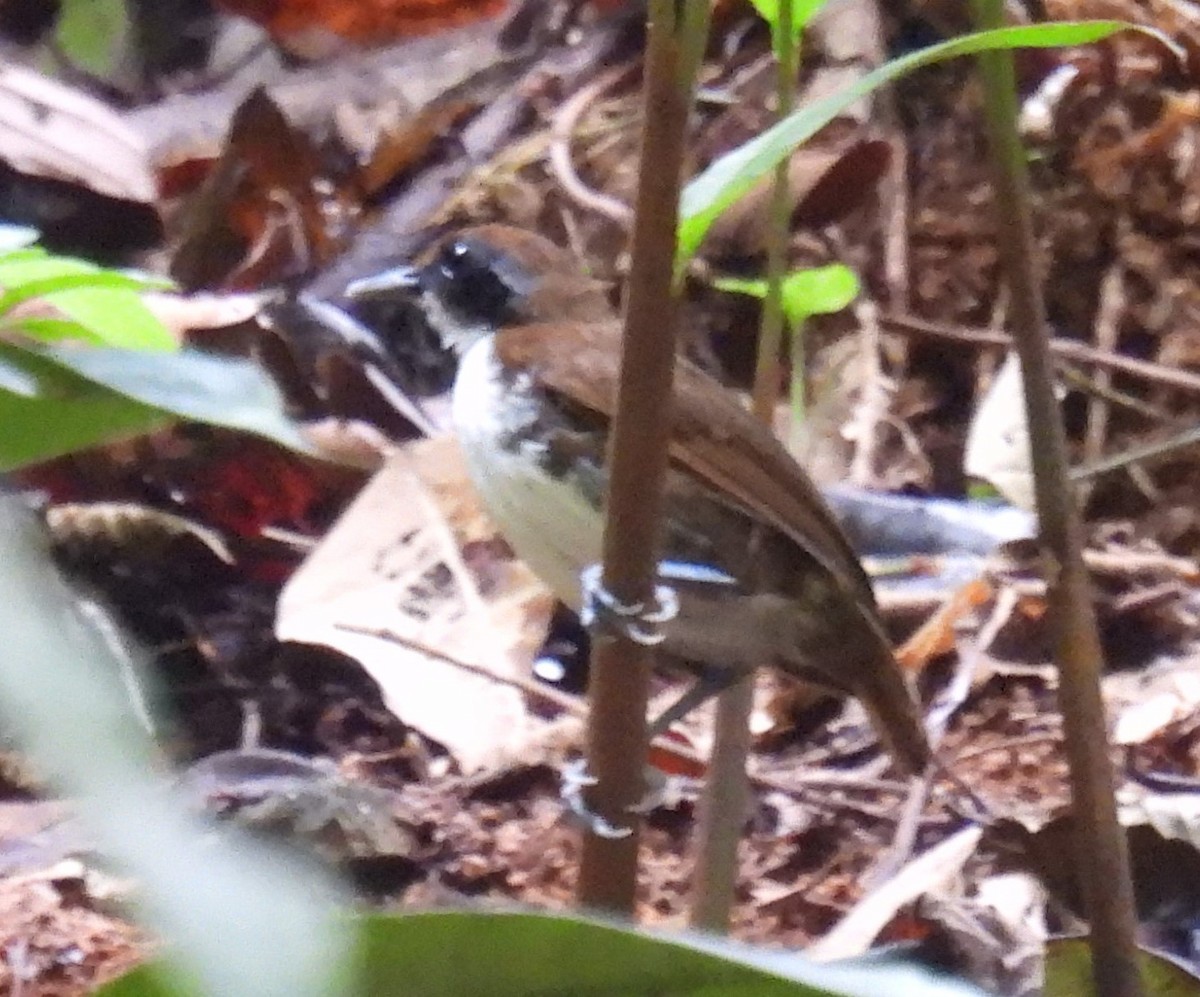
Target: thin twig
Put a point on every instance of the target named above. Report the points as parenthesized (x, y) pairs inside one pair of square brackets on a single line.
[(566, 120), (726, 796), (1065, 349), (1108, 317), (873, 400)]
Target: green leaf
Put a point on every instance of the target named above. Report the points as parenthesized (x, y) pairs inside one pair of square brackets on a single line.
[(245, 919), (505, 954), (813, 291), (147, 981), (517, 954), (16, 380), (220, 391), (90, 396), (64, 413), (818, 291), (83, 280), (1069, 972), (755, 287), (803, 11), (94, 34), (117, 318), (107, 304), (20, 255), (733, 175), (51, 330)]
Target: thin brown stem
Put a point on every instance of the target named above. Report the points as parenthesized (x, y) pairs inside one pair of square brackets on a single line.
[(616, 738), (1103, 854), (727, 792)]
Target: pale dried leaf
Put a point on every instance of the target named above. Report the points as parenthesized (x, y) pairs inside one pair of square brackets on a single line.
[(998, 441), (388, 586), (926, 873), (1146, 703), (49, 130), (1176, 816)]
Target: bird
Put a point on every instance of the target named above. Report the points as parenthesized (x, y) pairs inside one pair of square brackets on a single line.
[(761, 572)]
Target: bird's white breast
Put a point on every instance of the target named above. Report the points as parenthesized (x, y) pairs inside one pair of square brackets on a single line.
[(549, 523)]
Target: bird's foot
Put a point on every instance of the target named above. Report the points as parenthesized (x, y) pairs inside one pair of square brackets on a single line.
[(576, 779), (641, 623)]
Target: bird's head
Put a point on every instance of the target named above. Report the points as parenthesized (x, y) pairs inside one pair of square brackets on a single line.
[(479, 280)]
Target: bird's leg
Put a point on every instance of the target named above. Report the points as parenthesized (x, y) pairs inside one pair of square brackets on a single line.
[(709, 682), (642, 624), (576, 778)]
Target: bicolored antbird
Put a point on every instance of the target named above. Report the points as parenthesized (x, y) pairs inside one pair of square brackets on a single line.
[(763, 573)]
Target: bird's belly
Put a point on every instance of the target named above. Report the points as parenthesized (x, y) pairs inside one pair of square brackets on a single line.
[(555, 524), (552, 525)]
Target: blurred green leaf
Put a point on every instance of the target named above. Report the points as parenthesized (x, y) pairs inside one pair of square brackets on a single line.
[(16, 380), (65, 412), (813, 291), (733, 175), (108, 305), (51, 330), (94, 34), (818, 291), (147, 981), (1069, 972), (803, 11), (510, 954), (982, 491), (518, 954), (82, 280), (90, 396), (754, 287), (220, 391), (243, 919)]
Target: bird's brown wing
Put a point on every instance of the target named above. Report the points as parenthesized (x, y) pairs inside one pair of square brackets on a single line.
[(741, 459), (745, 463)]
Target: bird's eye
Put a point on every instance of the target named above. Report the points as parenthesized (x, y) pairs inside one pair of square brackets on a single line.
[(472, 283), (456, 261)]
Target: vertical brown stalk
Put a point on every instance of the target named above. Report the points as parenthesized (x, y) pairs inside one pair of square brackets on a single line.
[(1103, 855), (616, 740), (727, 793)]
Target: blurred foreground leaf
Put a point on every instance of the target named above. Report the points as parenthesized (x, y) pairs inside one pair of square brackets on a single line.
[(241, 918), (506, 954), (1069, 972), (85, 397), (105, 305)]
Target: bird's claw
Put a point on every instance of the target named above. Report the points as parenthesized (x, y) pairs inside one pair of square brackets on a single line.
[(576, 779), (641, 623)]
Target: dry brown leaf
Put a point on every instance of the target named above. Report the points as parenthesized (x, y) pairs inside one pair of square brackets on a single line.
[(936, 636)]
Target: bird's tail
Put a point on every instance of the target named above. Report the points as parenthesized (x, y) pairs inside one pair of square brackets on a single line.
[(884, 691), (846, 650)]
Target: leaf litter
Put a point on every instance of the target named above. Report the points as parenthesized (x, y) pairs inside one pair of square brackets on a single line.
[(399, 650)]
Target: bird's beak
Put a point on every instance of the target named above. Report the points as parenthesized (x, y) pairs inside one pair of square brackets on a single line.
[(399, 282)]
